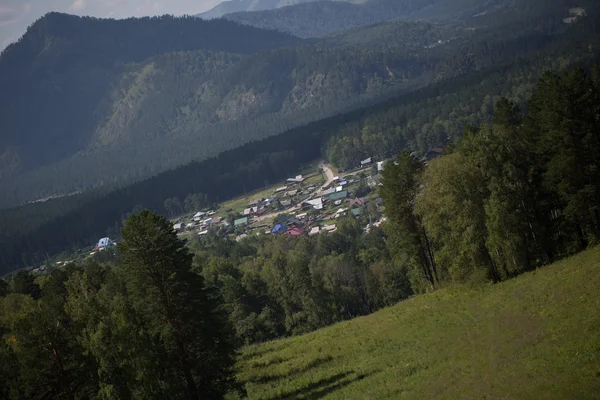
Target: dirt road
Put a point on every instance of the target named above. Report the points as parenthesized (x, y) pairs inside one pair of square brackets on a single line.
[(329, 178), (328, 173)]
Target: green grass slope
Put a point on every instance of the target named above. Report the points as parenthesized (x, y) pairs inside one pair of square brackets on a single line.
[(534, 337)]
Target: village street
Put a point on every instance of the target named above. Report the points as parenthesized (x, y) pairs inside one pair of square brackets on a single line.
[(329, 178)]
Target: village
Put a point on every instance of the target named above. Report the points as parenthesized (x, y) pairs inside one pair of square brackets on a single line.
[(307, 204)]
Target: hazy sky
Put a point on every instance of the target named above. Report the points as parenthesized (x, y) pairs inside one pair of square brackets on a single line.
[(17, 15)]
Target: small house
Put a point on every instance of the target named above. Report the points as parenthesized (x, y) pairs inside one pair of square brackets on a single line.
[(240, 222), (329, 228), (356, 211), (366, 161), (262, 211), (340, 212), (279, 229), (294, 181), (317, 203), (176, 227), (198, 216), (295, 231), (338, 195), (314, 231), (294, 222)]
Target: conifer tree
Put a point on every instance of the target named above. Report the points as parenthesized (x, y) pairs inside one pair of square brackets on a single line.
[(174, 302)]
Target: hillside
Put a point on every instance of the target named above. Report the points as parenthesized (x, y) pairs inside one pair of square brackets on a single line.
[(65, 80), (533, 337), (232, 6), (322, 18), (416, 121), (81, 112)]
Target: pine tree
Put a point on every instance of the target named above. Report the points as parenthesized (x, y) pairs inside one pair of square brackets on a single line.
[(179, 311)]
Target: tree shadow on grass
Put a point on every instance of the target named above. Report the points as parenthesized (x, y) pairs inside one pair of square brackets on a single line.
[(277, 376), (250, 355), (262, 364), (323, 387)]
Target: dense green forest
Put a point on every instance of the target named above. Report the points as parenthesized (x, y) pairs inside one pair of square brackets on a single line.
[(80, 112), (323, 18), (159, 319), (91, 332), (434, 116)]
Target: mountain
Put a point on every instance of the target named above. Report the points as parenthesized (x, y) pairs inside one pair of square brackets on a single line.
[(87, 102), (233, 6), (417, 121), (322, 18)]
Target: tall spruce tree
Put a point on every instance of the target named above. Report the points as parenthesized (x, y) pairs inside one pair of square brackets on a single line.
[(177, 307)]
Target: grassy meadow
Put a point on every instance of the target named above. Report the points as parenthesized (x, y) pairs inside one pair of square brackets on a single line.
[(533, 337)]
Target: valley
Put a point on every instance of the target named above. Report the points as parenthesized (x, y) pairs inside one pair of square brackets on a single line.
[(295, 199)]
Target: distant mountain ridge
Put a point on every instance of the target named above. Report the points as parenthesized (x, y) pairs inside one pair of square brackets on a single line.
[(233, 6), (322, 18)]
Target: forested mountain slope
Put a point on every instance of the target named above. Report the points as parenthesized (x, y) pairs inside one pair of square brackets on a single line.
[(232, 6), (322, 18), (83, 109), (61, 83), (417, 121)]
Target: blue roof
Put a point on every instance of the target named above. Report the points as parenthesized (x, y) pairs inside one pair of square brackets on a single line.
[(279, 228)]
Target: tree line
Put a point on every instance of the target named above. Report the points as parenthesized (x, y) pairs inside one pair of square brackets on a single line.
[(511, 196)]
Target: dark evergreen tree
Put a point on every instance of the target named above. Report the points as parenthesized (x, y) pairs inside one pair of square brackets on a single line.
[(177, 307)]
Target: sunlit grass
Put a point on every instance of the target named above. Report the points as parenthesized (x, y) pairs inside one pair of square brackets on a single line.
[(533, 337)]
